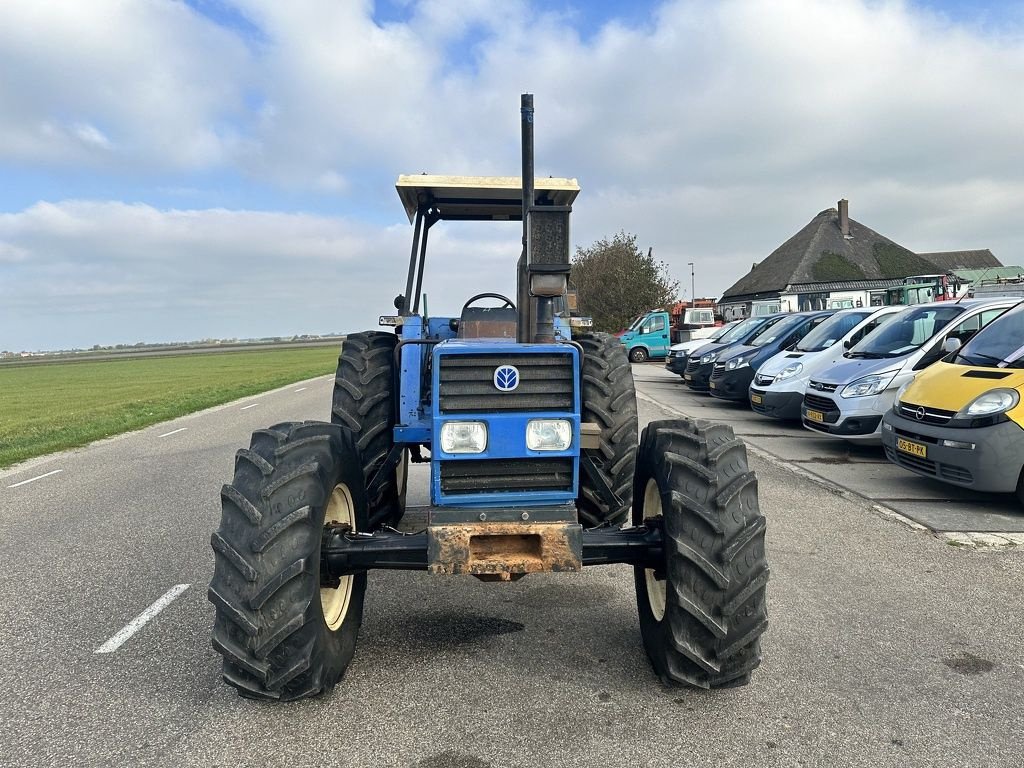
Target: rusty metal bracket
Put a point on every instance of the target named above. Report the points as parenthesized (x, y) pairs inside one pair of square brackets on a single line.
[(504, 548)]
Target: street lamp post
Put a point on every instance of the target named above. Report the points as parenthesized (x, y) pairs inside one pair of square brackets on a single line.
[(693, 294)]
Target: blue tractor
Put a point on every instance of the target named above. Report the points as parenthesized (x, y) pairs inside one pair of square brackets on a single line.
[(535, 466)]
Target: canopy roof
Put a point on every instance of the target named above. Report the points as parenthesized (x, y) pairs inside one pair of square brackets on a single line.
[(480, 198)]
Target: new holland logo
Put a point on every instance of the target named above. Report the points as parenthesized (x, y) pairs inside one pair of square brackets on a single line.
[(506, 378)]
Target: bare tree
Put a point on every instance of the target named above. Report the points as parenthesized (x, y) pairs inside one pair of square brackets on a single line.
[(615, 281)]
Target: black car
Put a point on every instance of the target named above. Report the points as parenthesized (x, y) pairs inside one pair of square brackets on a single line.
[(735, 367), (698, 366), (679, 353)]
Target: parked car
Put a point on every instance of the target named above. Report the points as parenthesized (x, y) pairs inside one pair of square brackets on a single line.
[(734, 369), (962, 420), (698, 365), (779, 384), (848, 400), (678, 353)]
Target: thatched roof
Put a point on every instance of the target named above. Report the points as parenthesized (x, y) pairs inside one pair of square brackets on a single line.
[(947, 261), (820, 254)]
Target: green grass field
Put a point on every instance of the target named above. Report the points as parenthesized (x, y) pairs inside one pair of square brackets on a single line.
[(49, 407)]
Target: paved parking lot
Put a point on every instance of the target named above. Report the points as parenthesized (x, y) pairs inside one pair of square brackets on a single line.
[(863, 470)]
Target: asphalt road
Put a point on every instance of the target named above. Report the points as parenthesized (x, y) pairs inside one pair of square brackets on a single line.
[(887, 646)]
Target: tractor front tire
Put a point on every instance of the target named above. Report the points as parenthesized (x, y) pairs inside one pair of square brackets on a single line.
[(702, 611), (364, 402), (609, 400), (284, 632)]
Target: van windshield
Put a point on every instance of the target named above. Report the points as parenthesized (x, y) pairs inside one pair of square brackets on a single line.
[(720, 332), (1000, 344), (831, 331), (906, 332), (742, 328), (776, 331)]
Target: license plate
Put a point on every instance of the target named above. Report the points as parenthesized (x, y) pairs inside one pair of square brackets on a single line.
[(914, 449), (756, 399), (712, 385), (688, 377), (815, 416)]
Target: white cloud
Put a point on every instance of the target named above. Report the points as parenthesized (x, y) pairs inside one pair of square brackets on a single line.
[(713, 132), (154, 79), (88, 272)]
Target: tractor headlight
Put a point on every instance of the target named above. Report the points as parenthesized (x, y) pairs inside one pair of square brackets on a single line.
[(869, 385), (548, 434), (791, 370), (463, 437), (992, 402)]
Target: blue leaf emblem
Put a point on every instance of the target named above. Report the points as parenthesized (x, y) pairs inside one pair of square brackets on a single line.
[(506, 378)]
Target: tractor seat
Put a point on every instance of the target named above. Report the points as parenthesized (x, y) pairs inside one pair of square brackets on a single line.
[(488, 323)]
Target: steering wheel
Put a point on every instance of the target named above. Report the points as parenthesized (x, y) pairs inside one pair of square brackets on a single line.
[(506, 299)]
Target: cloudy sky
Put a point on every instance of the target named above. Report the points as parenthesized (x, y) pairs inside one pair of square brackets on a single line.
[(177, 170)]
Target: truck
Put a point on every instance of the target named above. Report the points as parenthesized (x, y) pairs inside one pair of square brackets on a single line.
[(530, 434), (650, 335)]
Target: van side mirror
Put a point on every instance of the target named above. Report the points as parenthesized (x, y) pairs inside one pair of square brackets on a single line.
[(951, 344), (847, 344)]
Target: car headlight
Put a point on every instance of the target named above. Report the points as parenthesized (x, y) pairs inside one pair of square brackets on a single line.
[(992, 402), (791, 370), (548, 434), (737, 362), (463, 437), (710, 357), (869, 385)]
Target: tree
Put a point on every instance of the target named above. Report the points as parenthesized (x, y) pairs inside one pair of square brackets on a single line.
[(615, 282)]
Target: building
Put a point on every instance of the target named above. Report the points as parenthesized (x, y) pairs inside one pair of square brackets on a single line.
[(835, 259)]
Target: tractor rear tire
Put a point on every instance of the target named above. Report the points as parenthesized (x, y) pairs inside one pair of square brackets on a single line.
[(283, 632), (609, 399), (702, 612), (364, 402)]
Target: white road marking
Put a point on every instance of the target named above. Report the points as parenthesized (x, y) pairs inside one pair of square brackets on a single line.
[(247, 407), (33, 479), (173, 432), (301, 389), (141, 620)]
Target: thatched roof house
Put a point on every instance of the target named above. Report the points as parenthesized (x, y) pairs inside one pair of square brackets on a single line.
[(835, 253)]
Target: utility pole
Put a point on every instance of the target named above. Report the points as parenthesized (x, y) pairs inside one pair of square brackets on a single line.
[(693, 294)]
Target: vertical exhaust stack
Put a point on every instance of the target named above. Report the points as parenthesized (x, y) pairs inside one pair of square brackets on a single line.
[(545, 247), (844, 217)]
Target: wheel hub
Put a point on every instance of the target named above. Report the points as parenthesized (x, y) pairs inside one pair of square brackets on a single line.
[(336, 593)]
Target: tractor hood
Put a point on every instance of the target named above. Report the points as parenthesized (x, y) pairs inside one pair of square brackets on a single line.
[(951, 387)]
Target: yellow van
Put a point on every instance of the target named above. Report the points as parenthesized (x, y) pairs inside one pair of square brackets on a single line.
[(962, 420)]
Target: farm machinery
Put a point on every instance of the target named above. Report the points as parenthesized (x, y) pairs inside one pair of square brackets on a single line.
[(531, 434)]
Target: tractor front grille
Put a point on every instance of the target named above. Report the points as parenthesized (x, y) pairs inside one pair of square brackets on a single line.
[(506, 475), (466, 383)]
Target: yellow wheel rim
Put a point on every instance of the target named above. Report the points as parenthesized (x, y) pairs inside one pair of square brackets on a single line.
[(335, 600), (656, 588)]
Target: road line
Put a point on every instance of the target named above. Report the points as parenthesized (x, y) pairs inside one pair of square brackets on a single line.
[(141, 620), (247, 407), (33, 479), (301, 389), (173, 432)]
